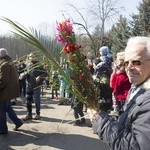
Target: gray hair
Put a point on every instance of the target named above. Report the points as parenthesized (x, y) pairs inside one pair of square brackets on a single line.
[(139, 40), (3, 52)]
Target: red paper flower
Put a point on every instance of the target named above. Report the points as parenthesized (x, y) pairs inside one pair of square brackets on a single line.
[(65, 32), (79, 72), (72, 59), (81, 76)]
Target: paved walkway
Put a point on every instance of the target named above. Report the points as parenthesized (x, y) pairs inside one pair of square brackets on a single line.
[(49, 133)]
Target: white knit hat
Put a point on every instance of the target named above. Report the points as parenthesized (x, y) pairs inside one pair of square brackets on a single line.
[(3, 52)]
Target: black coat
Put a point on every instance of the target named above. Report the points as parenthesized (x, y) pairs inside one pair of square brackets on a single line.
[(34, 73)]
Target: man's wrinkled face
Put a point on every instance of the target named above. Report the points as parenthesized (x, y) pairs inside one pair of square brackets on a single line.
[(137, 64)]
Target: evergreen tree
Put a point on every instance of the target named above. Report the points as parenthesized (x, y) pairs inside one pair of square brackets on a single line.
[(144, 17), (119, 35), (135, 25), (97, 36), (99, 39)]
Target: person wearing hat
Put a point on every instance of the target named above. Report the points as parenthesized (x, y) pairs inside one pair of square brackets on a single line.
[(101, 76), (105, 56), (9, 89)]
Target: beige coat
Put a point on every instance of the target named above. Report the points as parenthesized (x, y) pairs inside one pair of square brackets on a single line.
[(9, 83)]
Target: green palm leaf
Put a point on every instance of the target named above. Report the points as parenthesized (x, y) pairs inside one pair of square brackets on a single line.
[(34, 38)]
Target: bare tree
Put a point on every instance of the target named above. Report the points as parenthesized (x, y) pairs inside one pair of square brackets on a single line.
[(103, 12), (98, 13)]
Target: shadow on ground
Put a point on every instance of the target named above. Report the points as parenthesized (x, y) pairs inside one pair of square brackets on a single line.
[(52, 140)]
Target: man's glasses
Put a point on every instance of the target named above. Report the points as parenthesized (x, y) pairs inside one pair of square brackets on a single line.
[(134, 63)]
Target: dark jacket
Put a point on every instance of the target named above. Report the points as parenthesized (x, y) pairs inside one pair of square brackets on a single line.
[(76, 103), (132, 130), (9, 82), (36, 71), (21, 69)]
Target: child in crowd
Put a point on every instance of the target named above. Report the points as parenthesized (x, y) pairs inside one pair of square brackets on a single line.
[(120, 84)]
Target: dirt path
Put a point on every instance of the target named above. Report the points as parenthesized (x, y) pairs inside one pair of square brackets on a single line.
[(49, 133)]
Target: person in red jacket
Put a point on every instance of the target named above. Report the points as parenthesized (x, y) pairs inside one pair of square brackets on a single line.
[(121, 86), (113, 79)]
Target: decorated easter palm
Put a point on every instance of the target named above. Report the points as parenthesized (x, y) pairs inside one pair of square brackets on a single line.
[(79, 72), (80, 80)]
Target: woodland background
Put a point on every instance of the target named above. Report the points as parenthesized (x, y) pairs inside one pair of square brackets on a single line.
[(91, 35)]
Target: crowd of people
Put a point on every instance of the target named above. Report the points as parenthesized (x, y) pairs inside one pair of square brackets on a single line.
[(123, 85), (132, 129)]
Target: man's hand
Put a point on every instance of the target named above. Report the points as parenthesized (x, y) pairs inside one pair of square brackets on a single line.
[(38, 79), (22, 75), (92, 114)]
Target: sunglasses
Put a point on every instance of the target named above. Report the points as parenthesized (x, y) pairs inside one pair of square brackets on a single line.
[(134, 63)]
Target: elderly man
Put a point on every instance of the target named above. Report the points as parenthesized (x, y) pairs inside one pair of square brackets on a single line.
[(9, 89), (132, 130)]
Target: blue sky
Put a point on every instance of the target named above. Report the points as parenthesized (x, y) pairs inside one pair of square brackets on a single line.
[(31, 13)]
